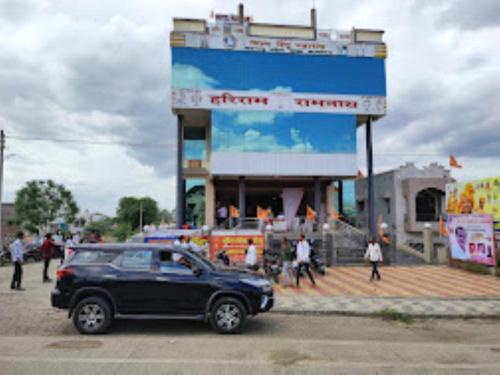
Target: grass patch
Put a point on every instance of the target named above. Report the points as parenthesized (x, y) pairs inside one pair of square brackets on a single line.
[(393, 315)]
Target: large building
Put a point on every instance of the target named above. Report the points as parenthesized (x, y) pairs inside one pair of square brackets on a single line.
[(267, 114)]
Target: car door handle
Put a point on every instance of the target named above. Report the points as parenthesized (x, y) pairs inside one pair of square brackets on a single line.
[(112, 277), (161, 278)]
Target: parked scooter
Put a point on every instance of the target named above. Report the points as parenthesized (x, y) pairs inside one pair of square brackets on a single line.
[(270, 264)]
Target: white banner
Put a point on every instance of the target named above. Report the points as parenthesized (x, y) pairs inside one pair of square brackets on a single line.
[(278, 101)]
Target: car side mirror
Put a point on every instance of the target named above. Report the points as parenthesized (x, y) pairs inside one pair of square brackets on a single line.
[(197, 271)]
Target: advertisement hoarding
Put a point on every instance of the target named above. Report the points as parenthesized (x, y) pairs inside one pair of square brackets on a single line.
[(235, 245), (471, 238), (475, 197)]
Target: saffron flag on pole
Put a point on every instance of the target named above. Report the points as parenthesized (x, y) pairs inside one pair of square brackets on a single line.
[(334, 214), (454, 162), (311, 214), (381, 230), (262, 213), (234, 211), (442, 227)]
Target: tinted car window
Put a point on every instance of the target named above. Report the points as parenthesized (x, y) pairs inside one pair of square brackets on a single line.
[(92, 257), (135, 259), (175, 263)]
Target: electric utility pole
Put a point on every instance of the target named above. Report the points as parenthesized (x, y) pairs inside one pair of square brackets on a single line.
[(2, 148)]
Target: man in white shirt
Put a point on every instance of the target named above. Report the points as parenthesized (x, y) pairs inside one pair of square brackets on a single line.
[(374, 255), (303, 259), (17, 255), (251, 256), (76, 238)]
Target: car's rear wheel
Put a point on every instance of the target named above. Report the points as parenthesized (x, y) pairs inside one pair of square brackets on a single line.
[(228, 315), (92, 315)]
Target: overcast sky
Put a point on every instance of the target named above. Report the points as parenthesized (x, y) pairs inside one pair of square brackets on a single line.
[(99, 71)]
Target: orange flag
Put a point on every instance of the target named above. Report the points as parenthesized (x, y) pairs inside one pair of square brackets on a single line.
[(360, 175), (334, 214), (442, 227), (381, 231), (234, 211), (262, 213), (454, 162), (311, 214)]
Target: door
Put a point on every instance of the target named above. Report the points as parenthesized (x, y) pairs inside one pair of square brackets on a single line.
[(133, 282), (181, 290)]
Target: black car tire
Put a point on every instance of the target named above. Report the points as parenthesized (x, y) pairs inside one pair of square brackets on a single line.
[(228, 315), (92, 315)]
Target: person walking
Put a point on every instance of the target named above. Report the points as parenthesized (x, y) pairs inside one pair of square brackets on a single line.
[(68, 247), (17, 256), (251, 256), (286, 261), (303, 259), (47, 250), (374, 255)]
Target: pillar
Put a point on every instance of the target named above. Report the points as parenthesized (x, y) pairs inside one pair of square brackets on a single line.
[(371, 192), (340, 197), (317, 198), (428, 245), (180, 206), (241, 197), (209, 202)]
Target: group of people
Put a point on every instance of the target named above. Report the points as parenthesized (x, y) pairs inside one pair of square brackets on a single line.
[(48, 246), (300, 259)]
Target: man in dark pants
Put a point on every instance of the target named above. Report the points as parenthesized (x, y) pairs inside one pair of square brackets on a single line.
[(47, 250), (303, 259), (17, 255), (374, 255)]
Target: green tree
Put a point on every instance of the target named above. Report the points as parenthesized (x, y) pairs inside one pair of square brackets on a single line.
[(129, 209), (40, 202), (167, 216), (122, 231)]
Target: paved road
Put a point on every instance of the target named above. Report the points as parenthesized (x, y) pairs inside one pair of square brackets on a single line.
[(35, 339)]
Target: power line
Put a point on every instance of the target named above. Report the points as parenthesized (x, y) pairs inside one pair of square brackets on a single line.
[(90, 142)]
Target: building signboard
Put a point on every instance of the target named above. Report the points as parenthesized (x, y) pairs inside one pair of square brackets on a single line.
[(471, 238), (278, 101)]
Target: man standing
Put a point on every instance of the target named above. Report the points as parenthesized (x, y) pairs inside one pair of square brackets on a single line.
[(251, 256), (47, 250), (374, 254), (17, 255), (303, 259)]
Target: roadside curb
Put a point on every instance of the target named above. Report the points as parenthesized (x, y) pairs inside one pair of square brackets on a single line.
[(380, 314)]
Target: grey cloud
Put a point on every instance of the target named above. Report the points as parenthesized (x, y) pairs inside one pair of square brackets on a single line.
[(472, 15)]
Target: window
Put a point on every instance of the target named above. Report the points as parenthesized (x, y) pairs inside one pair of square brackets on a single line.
[(176, 263), (428, 205), (93, 257), (194, 143), (361, 206), (135, 259)]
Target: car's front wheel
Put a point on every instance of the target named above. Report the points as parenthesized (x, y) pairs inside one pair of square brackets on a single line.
[(228, 315), (92, 315)]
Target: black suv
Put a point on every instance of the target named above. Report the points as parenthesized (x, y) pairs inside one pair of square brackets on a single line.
[(102, 282)]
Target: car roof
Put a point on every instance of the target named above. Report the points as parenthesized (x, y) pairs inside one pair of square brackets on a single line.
[(124, 246)]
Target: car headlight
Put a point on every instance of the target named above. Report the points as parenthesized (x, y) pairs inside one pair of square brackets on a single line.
[(259, 283)]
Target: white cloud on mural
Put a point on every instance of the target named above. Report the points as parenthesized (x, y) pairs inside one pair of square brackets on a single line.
[(188, 76)]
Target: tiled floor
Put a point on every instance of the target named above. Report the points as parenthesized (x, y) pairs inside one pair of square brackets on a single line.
[(404, 281), (437, 291)]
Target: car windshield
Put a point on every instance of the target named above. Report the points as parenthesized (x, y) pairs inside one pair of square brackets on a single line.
[(203, 260)]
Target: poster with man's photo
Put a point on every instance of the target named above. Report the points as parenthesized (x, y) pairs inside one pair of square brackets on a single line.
[(471, 238)]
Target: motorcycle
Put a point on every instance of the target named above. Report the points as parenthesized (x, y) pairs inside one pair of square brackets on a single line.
[(222, 258)]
